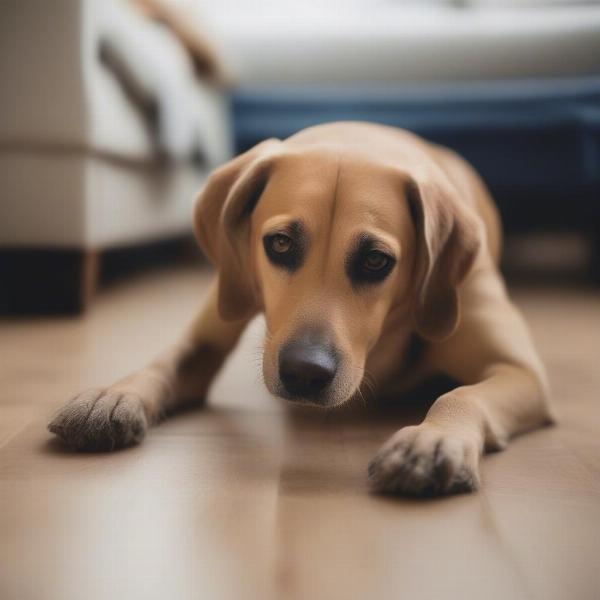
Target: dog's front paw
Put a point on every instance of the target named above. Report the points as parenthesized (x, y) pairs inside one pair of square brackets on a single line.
[(101, 420), (424, 460)]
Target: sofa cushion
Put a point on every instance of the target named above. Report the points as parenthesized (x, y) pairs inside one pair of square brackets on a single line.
[(353, 41)]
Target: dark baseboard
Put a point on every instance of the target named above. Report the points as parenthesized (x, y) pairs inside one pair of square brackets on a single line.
[(51, 281), (46, 281), (117, 264)]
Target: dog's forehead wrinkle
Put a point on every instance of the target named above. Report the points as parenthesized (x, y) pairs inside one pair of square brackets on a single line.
[(332, 212)]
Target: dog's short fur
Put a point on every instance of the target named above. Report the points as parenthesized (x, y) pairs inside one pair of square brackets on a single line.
[(354, 240)]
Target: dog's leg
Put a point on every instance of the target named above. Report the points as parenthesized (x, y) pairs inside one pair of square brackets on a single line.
[(506, 393), (118, 416)]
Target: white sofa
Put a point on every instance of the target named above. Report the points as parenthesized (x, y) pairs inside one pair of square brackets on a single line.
[(81, 169), (278, 43)]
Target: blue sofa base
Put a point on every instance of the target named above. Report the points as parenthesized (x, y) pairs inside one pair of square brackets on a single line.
[(535, 142)]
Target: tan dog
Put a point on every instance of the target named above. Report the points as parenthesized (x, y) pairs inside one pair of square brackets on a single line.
[(353, 239)]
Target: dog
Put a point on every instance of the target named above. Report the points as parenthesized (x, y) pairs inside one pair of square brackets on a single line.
[(355, 240)]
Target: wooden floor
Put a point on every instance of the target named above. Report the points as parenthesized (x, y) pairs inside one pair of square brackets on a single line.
[(244, 500)]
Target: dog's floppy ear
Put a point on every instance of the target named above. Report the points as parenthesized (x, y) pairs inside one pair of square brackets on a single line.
[(221, 219), (448, 239)]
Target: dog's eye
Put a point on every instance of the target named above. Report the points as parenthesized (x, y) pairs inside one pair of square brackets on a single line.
[(281, 243), (283, 251), (376, 261), (369, 266)]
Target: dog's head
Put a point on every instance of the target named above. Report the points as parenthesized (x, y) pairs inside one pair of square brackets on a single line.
[(329, 245)]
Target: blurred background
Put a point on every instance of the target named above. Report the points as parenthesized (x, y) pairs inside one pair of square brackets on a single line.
[(112, 112)]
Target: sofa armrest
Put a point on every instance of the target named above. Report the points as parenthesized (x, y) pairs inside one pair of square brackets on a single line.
[(42, 95), (188, 116)]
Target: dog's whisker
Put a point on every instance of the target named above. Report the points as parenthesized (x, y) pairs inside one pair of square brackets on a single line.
[(362, 398)]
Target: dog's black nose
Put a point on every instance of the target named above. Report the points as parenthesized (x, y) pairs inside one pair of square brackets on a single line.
[(306, 368)]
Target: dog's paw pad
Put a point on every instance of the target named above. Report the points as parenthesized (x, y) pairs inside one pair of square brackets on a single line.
[(101, 420), (422, 460)]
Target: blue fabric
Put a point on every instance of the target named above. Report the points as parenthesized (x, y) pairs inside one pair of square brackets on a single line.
[(537, 138)]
